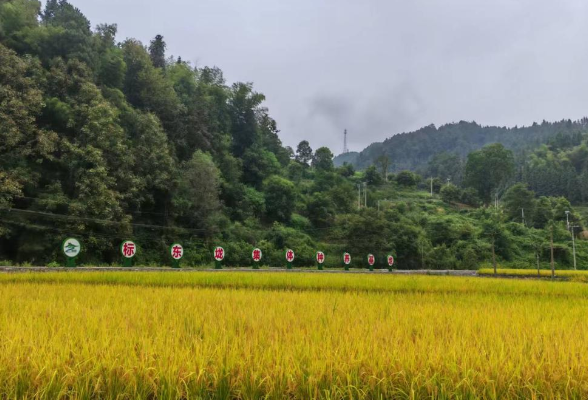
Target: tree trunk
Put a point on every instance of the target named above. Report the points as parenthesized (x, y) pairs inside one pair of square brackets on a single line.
[(493, 257), (551, 245), (538, 271)]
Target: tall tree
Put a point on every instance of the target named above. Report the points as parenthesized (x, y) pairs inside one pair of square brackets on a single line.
[(279, 198), (244, 108), (488, 169), (323, 159), (21, 140), (157, 51), (304, 152), (519, 201), (197, 194), (383, 162), (493, 230)]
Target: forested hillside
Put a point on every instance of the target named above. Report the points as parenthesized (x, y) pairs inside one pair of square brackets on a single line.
[(413, 150), (107, 140)]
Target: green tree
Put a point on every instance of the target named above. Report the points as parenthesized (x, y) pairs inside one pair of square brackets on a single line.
[(346, 170), (280, 196), (407, 178), (25, 150), (67, 34), (470, 197), (321, 210), (257, 165), (383, 162), (493, 230), (196, 197), (304, 152), (450, 193), (323, 159), (446, 166), (157, 51), (146, 88), (373, 177), (244, 106), (519, 199), (488, 169)]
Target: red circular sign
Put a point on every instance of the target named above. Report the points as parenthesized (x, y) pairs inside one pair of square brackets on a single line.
[(290, 255), (347, 258), (128, 249), (256, 255), (176, 251), (320, 257), (390, 261), (371, 259), (219, 254)]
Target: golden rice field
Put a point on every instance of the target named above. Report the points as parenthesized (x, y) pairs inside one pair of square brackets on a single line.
[(253, 335), (579, 275)]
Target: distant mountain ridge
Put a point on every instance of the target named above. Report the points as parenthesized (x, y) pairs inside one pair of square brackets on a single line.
[(413, 150)]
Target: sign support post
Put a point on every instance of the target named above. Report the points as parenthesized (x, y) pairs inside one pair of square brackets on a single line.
[(71, 248), (390, 262), (128, 250), (219, 256), (289, 258), (320, 259), (256, 256), (176, 251), (346, 261), (371, 261)]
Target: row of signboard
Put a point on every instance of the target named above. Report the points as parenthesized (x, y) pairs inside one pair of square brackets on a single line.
[(72, 247)]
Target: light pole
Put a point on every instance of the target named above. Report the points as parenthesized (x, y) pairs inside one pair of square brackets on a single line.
[(568, 219)]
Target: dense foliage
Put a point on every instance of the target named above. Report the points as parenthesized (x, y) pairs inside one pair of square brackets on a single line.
[(413, 150), (106, 141)]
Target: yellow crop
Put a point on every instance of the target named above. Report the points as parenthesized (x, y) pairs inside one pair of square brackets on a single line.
[(295, 336), (580, 275)]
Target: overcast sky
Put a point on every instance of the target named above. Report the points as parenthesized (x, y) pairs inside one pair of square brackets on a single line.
[(378, 67)]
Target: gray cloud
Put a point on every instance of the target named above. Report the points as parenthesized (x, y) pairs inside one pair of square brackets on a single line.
[(379, 67)]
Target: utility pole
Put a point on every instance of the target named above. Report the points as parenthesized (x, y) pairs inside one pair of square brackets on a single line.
[(523, 214), (365, 194), (568, 219), (359, 196), (431, 186), (345, 149), (574, 245)]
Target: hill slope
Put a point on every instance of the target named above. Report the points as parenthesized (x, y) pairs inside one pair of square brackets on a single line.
[(413, 150)]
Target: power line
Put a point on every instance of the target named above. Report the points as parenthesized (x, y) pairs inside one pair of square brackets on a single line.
[(101, 221), (167, 214), (69, 231)]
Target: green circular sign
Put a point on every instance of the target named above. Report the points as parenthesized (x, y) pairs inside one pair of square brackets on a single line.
[(71, 247)]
